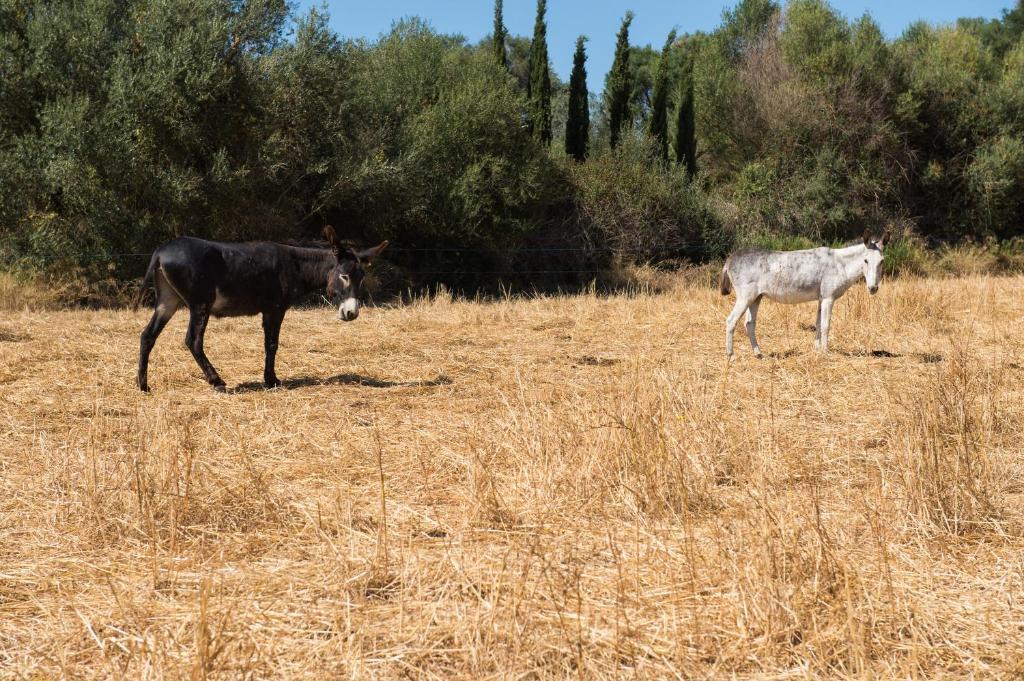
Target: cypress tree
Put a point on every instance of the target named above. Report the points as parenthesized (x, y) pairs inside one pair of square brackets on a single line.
[(538, 90), (618, 85), (686, 136), (577, 126), (499, 34), (659, 107)]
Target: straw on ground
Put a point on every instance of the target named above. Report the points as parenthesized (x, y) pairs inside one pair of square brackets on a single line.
[(563, 487)]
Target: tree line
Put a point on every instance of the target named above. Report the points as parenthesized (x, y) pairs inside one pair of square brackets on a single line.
[(126, 122)]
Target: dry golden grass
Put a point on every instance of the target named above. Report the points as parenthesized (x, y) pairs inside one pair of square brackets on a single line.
[(26, 293), (564, 487)]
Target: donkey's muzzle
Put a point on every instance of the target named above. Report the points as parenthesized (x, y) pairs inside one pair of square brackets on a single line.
[(348, 310), (872, 290)]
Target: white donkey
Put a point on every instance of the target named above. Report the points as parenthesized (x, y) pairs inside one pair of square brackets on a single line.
[(821, 274)]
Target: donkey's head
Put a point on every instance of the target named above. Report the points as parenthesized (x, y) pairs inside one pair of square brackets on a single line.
[(345, 281), (873, 257)]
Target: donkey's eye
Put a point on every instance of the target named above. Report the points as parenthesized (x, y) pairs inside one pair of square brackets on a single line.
[(343, 278)]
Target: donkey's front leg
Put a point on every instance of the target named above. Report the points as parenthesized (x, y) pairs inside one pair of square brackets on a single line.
[(271, 332), (817, 328), (825, 319)]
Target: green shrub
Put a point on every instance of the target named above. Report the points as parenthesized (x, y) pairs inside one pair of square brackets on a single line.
[(906, 255), (470, 170), (996, 178), (815, 41), (775, 242), (642, 209)]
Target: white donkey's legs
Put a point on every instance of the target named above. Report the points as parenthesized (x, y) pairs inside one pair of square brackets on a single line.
[(730, 323), (817, 328), (824, 319), (752, 326)]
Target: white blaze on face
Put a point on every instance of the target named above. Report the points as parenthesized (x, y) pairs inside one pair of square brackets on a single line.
[(349, 309)]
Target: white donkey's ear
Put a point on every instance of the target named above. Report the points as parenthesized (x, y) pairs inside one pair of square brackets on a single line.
[(885, 239), (867, 237)]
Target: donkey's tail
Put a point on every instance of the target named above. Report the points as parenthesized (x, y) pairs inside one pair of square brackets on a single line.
[(147, 281), (725, 285)]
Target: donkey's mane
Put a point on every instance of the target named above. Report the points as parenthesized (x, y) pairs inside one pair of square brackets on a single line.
[(305, 243), (755, 250), (346, 244)]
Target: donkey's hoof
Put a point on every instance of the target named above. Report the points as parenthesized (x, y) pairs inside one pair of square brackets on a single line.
[(144, 387), (220, 387), (270, 385), (758, 354)]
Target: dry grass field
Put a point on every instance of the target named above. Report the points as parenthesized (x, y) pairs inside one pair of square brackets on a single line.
[(567, 487)]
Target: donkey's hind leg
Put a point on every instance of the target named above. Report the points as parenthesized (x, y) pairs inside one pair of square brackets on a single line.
[(197, 320), (730, 323), (167, 303), (751, 326)]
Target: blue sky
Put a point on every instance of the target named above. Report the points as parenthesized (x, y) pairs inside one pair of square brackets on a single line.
[(599, 20)]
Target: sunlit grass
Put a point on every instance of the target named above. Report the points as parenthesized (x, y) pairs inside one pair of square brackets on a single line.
[(574, 486)]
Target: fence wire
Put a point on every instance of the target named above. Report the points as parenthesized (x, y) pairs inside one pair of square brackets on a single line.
[(509, 272)]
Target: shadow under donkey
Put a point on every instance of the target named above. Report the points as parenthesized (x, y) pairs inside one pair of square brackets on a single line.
[(923, 357), (345, 379)]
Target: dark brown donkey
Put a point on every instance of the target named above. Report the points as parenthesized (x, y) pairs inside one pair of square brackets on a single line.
[(232, 280)]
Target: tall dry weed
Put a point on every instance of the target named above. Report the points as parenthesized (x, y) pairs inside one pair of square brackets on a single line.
[(943, 435)]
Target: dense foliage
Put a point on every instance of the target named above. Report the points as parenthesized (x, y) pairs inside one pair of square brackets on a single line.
[(125, 122)]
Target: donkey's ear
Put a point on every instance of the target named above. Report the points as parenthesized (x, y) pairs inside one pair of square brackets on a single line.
[(331, 236), (885, 239), (867, 237), (369, 254)]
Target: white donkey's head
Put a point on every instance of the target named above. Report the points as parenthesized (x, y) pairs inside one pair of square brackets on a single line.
[(873, 256)]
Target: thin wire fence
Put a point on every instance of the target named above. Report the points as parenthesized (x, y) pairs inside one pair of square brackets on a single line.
[(410, 249), (510, 271)]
